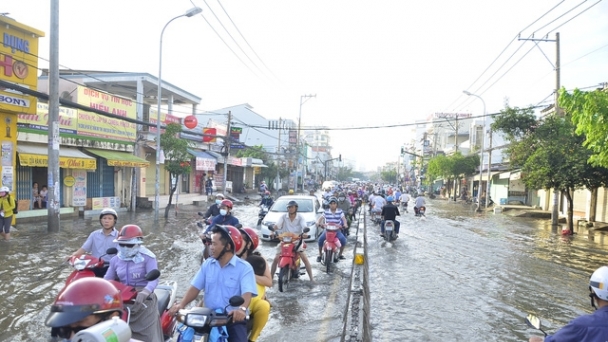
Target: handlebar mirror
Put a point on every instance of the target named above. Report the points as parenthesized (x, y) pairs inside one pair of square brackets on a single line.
[(271, 228), (152, 275), (200, 213), (306, 230), (238, 226), (112, 250)]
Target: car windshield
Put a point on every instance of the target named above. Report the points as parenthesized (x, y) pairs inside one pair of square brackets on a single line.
[(280, 205)]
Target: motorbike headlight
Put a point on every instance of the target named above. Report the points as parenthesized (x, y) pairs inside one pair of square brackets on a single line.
[(195, 320), (287, 239)]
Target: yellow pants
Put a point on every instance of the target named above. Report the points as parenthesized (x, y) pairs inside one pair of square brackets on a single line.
[(260, 311)]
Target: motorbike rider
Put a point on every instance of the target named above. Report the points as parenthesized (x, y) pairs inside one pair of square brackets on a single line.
[(224, 218), (292, 222), (220, 282), (214, 209), (130, 266), (259, 306), (266, 200), (587, 328), (333, 215), (378, 203), (345, 204), (82, 304), (100, 240), (390, 213), (404, 199), (397, 196), (263, 187), (419, 202)]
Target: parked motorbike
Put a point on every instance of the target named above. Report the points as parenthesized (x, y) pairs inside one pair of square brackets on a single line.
[(389, 231), (420, 212), (199, 321), (404, 207), (331, 246), (262, 213), (289, 262)]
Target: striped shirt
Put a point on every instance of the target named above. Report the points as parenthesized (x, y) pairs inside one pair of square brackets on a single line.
[(334, 218)]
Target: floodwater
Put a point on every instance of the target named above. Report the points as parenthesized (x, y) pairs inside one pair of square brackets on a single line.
[(462, 276), (32, 273), (455, 276)]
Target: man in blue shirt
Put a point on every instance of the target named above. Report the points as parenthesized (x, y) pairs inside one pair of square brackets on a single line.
[(222, 276), (587, 328)]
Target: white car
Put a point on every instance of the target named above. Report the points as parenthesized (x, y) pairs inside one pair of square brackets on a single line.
[(308, 206)]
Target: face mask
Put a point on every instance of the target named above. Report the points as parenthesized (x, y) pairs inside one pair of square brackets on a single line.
[(223, 212), (217, 201), (126, 252), (341, 198)]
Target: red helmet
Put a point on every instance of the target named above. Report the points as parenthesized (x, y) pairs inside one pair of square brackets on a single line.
[(231, 232), (130, 234), (266, 192), (251, 235), (227, 203), (81, 298)]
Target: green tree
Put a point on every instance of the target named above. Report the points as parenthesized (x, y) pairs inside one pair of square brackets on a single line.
[(258, 152), (344, 172), (589, 111), (549, 153), (177, 158), (389, 176)]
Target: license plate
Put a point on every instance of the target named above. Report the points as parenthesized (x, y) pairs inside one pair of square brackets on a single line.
[(387, 227)]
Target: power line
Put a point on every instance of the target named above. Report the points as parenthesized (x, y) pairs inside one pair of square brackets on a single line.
[(223, 41), (503, 51)]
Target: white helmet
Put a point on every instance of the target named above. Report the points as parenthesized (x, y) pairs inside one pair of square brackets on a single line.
[(599, 283), (220, 195), (4, 189), (108, 211)]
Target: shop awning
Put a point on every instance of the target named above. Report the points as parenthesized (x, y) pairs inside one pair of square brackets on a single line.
[(204, 161), (484, 176), (125, 159), (69, 158), (218, 157), (259, 165)]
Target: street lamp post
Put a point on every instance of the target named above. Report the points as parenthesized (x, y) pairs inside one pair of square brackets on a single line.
[(483, 142), (302, 101), (189, 13)]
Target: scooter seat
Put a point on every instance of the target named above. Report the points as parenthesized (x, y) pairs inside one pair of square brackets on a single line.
[(162, 297)]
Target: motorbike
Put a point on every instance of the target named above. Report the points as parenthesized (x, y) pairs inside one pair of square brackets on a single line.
[(203, 223), (404, 206), (389, 231), (289, 263), (483, 202), (420, 212), (166, 294), (118, 328), (199, 321), (84, 265), (262, 213), (331, 246)]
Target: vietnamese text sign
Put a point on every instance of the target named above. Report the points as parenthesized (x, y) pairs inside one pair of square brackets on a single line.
[(79, 190), (40, 121), (105, 202), (205, 164), (95, 125), (165, 119)]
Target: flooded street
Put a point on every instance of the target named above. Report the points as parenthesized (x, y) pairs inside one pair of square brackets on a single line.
[(455, 276), (459, 276)]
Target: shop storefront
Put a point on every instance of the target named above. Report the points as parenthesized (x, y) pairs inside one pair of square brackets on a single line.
[(204, 168), (111, 178), (32, 167)]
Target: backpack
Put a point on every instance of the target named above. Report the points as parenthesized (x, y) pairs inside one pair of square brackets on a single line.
[(15, 211)]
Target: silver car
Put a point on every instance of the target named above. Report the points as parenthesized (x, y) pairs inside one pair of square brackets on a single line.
[(308, 206)]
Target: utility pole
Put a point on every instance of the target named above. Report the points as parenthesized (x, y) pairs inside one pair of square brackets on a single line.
[(53, 134), (227, 143), (556, 67), (456, 151), (298, 143), (279, 156)]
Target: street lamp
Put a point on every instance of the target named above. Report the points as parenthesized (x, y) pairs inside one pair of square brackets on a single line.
[(189, 13), (483, 142), (302, 101)]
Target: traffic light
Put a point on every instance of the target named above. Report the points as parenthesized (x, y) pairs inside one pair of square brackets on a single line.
[(339, 157)]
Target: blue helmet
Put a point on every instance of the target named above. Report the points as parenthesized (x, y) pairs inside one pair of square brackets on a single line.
[(390, 199)]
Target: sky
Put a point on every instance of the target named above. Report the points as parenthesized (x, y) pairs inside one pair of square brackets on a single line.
[(369, 63)]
